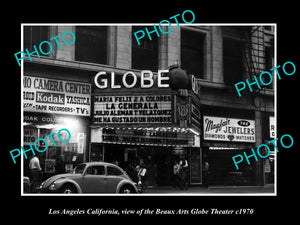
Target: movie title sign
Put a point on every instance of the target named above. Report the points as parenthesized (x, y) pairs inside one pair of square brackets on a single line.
[(147, 137), (228, 129), (56, 96), (132, 109)]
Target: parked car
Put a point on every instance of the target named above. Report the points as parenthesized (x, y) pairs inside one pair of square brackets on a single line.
[(91, 177)]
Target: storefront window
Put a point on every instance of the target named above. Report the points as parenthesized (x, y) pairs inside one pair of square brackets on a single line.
[(61, 157)]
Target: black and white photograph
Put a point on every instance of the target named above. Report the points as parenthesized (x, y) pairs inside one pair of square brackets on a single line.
[(149, 109), (155, 113)]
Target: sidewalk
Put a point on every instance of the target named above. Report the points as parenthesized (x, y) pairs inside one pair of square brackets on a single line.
[(267, 189)]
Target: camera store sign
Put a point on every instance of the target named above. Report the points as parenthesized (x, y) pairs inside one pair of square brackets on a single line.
[(56, 96), (129, 109), (228, 129)]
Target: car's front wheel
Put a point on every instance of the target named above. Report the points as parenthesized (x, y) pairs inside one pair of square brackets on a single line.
[(127, 189), (68, 189)]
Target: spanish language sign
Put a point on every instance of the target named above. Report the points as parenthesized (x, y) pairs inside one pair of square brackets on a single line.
[(132, 109), (56, 96)]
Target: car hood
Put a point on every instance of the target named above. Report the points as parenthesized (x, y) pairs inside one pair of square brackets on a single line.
[(59, 176)]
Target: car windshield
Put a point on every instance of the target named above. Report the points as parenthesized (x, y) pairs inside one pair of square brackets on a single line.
[(79, 169)]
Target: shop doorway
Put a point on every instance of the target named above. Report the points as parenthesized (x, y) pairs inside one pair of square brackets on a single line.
[(130, 155), (162, 159), (96, 153), (158, 162), (114, 154), (223, 172)]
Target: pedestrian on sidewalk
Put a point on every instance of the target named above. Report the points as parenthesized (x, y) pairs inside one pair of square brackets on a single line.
[(183, 173), (131, 171), (176, 178), (205, 173), (142, 175), (35, 173)]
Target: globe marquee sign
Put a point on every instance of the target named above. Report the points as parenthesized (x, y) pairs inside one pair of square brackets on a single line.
[(177, 79)]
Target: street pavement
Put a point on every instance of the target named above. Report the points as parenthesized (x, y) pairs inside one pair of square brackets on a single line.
[(219, 190)]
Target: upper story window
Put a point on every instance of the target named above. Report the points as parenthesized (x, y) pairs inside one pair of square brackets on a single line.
[(192, 52), (91, 44), (34, 35), (233, 64), (145, 55)]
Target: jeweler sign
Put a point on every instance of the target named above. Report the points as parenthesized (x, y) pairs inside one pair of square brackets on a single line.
[(132, 109), (228, 129), (56, 96)]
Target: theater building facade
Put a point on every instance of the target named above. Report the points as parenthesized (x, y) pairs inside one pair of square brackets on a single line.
[(155, 124), (169, 97)]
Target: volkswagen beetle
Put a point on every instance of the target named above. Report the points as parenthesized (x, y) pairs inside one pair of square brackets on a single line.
[(91, 177)]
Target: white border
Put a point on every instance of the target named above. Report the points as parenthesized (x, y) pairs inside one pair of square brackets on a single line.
[(275, 107), (151, 24)]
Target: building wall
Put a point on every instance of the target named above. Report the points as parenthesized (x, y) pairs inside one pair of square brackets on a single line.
[(217, 55), (68, 52), (123, 47), (169, 48)]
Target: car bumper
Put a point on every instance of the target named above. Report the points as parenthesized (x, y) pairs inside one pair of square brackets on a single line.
[(42, 189), (45, 191)]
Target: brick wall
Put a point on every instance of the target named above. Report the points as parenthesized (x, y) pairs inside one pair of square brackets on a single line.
[(123, 47), (216, 54), (169, 47), (67, 52)]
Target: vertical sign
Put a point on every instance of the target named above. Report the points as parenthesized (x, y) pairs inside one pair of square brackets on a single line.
[(272, 126)]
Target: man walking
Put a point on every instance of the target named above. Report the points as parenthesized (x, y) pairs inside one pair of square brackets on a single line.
[(176, 178), (205, 173), (35, 173), (183, 173)]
